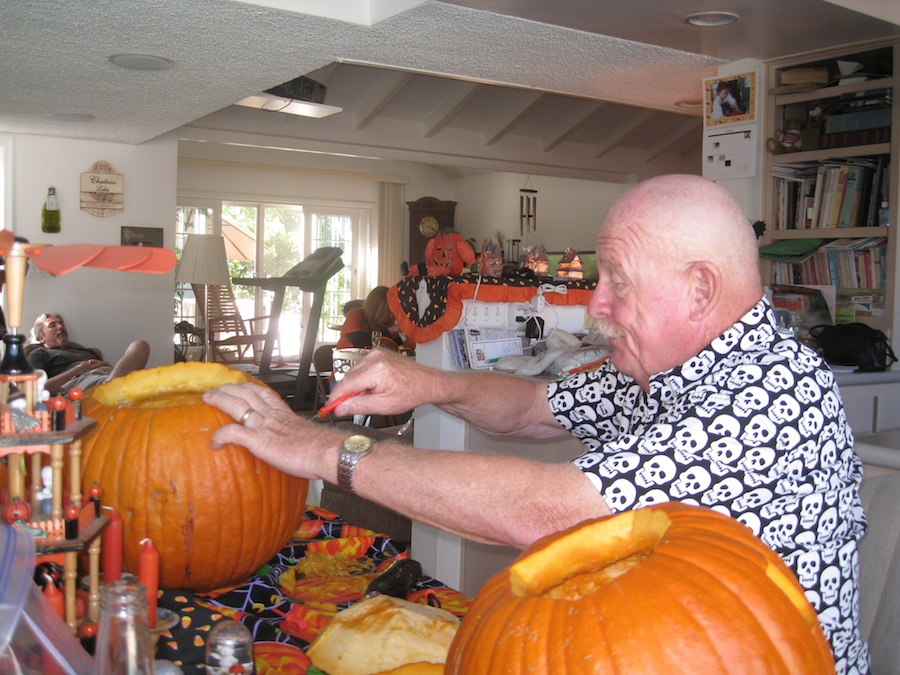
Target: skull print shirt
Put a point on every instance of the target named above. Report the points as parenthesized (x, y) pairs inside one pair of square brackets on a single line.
[(753, 427)]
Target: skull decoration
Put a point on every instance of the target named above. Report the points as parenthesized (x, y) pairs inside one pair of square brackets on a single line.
[(785, 409), (810, 508), (619, 463), (657, 470), (723, 492), (744, 376), (760, 429), (808, 564), (651, 497), (729, 339), (621, 494), (749, 400), (694, 480), (698, 366), (829, 584), (808, 390), (779, 378)]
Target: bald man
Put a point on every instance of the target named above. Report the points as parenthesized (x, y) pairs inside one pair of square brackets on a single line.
[(702, 401)]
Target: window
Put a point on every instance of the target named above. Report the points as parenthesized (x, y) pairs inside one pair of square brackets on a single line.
[(267, 240)]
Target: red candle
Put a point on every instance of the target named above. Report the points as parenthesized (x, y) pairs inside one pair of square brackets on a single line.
[(112, 547), (56, 599), (148, 574)]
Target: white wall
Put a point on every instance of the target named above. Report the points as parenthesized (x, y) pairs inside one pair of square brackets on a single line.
[(103, 308), (568, 211)]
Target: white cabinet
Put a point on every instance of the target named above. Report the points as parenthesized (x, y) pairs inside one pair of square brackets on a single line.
[(871, 401)]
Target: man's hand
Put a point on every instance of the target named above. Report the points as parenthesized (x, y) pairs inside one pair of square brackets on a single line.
[(386, 383), (267, 427), (87, 366)]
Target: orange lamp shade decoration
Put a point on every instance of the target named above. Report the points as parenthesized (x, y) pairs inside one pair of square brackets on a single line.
[(215, 516), (663, 589)]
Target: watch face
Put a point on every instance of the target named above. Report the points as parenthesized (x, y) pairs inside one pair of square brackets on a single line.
[(357, 444), (429, 226)]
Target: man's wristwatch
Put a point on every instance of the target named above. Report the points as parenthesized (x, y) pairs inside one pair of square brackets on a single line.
[(353, 449)]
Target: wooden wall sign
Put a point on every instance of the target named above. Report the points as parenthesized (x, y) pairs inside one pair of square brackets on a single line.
[(102, 190)]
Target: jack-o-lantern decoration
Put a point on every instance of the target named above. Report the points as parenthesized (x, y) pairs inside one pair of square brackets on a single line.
[(16, 509), (214, 515), (446, 253), (662, 589)]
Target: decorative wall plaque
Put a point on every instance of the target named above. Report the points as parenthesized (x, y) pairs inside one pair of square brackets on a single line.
[(102, 190)]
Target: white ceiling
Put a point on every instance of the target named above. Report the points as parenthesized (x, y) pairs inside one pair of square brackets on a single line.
[(583, 88)]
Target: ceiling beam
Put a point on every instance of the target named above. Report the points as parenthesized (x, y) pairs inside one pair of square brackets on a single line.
[(387, 90), (612, 139), (691, 126), (441, 117), (567, 125), (502, 124)]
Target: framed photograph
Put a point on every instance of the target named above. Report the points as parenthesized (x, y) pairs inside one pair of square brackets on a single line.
[(729, 99), (142, 236)]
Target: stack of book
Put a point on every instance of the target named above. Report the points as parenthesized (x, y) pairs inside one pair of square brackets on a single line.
[(829, 194)]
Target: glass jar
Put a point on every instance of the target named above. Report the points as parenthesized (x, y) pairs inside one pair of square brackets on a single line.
[(123, 636), (229, 649)]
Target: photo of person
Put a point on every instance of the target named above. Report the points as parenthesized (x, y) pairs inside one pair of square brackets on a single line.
[(724, 103), (729, 100)]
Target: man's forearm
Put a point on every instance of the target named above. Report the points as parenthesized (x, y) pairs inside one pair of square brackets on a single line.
[(500, 404)]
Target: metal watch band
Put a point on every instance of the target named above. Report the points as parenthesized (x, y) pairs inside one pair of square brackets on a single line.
[(349, 458), (346, 464)]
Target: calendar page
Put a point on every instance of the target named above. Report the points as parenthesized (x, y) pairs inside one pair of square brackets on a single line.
[(730, 152)]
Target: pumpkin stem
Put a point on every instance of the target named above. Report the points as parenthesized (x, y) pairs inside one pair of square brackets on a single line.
[(608, 546)]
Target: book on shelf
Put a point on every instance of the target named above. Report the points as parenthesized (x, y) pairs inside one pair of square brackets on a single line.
[(807, 302), (790, 250), (846, 139), (859, 120), (803, 75), (828, 194)]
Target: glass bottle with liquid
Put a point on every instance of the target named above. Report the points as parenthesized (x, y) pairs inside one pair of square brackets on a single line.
[(50, 213), (123, 636)]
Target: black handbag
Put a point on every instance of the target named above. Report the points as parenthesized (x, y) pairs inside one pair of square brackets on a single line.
[(854, 344)]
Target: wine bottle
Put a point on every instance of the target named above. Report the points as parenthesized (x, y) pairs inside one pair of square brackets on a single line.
[(50, 213)]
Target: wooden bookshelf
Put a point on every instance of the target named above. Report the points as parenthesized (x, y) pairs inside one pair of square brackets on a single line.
[(783, 206)]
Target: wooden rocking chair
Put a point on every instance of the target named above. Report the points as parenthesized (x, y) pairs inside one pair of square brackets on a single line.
[(232, 339)]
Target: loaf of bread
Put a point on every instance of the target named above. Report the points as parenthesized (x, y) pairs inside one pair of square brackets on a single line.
[(382, 633)]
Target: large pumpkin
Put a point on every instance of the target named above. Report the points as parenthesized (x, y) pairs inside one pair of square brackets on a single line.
[(215, 515), (664, 589)]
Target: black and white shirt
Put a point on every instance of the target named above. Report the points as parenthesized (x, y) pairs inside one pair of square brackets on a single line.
[(752, 427)]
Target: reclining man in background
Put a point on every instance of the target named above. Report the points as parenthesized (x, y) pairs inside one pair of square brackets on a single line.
[(69, 365), (702, 401)]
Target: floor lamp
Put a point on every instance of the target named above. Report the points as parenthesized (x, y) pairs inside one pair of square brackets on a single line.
[(203, 262)]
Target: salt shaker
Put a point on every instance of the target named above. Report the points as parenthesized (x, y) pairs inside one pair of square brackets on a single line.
[(229, 649)]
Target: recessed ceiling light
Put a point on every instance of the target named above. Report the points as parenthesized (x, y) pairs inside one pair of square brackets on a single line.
[(71, 117), (709, 19), (141, 61), (689, 103)]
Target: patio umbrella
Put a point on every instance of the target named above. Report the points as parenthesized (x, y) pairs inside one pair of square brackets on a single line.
[(240, 243)]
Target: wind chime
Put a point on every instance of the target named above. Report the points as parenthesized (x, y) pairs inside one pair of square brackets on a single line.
[(527, 208)]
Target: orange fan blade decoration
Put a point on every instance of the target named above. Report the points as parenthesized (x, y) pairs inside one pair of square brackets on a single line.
[(57, 260), (135, 259)]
